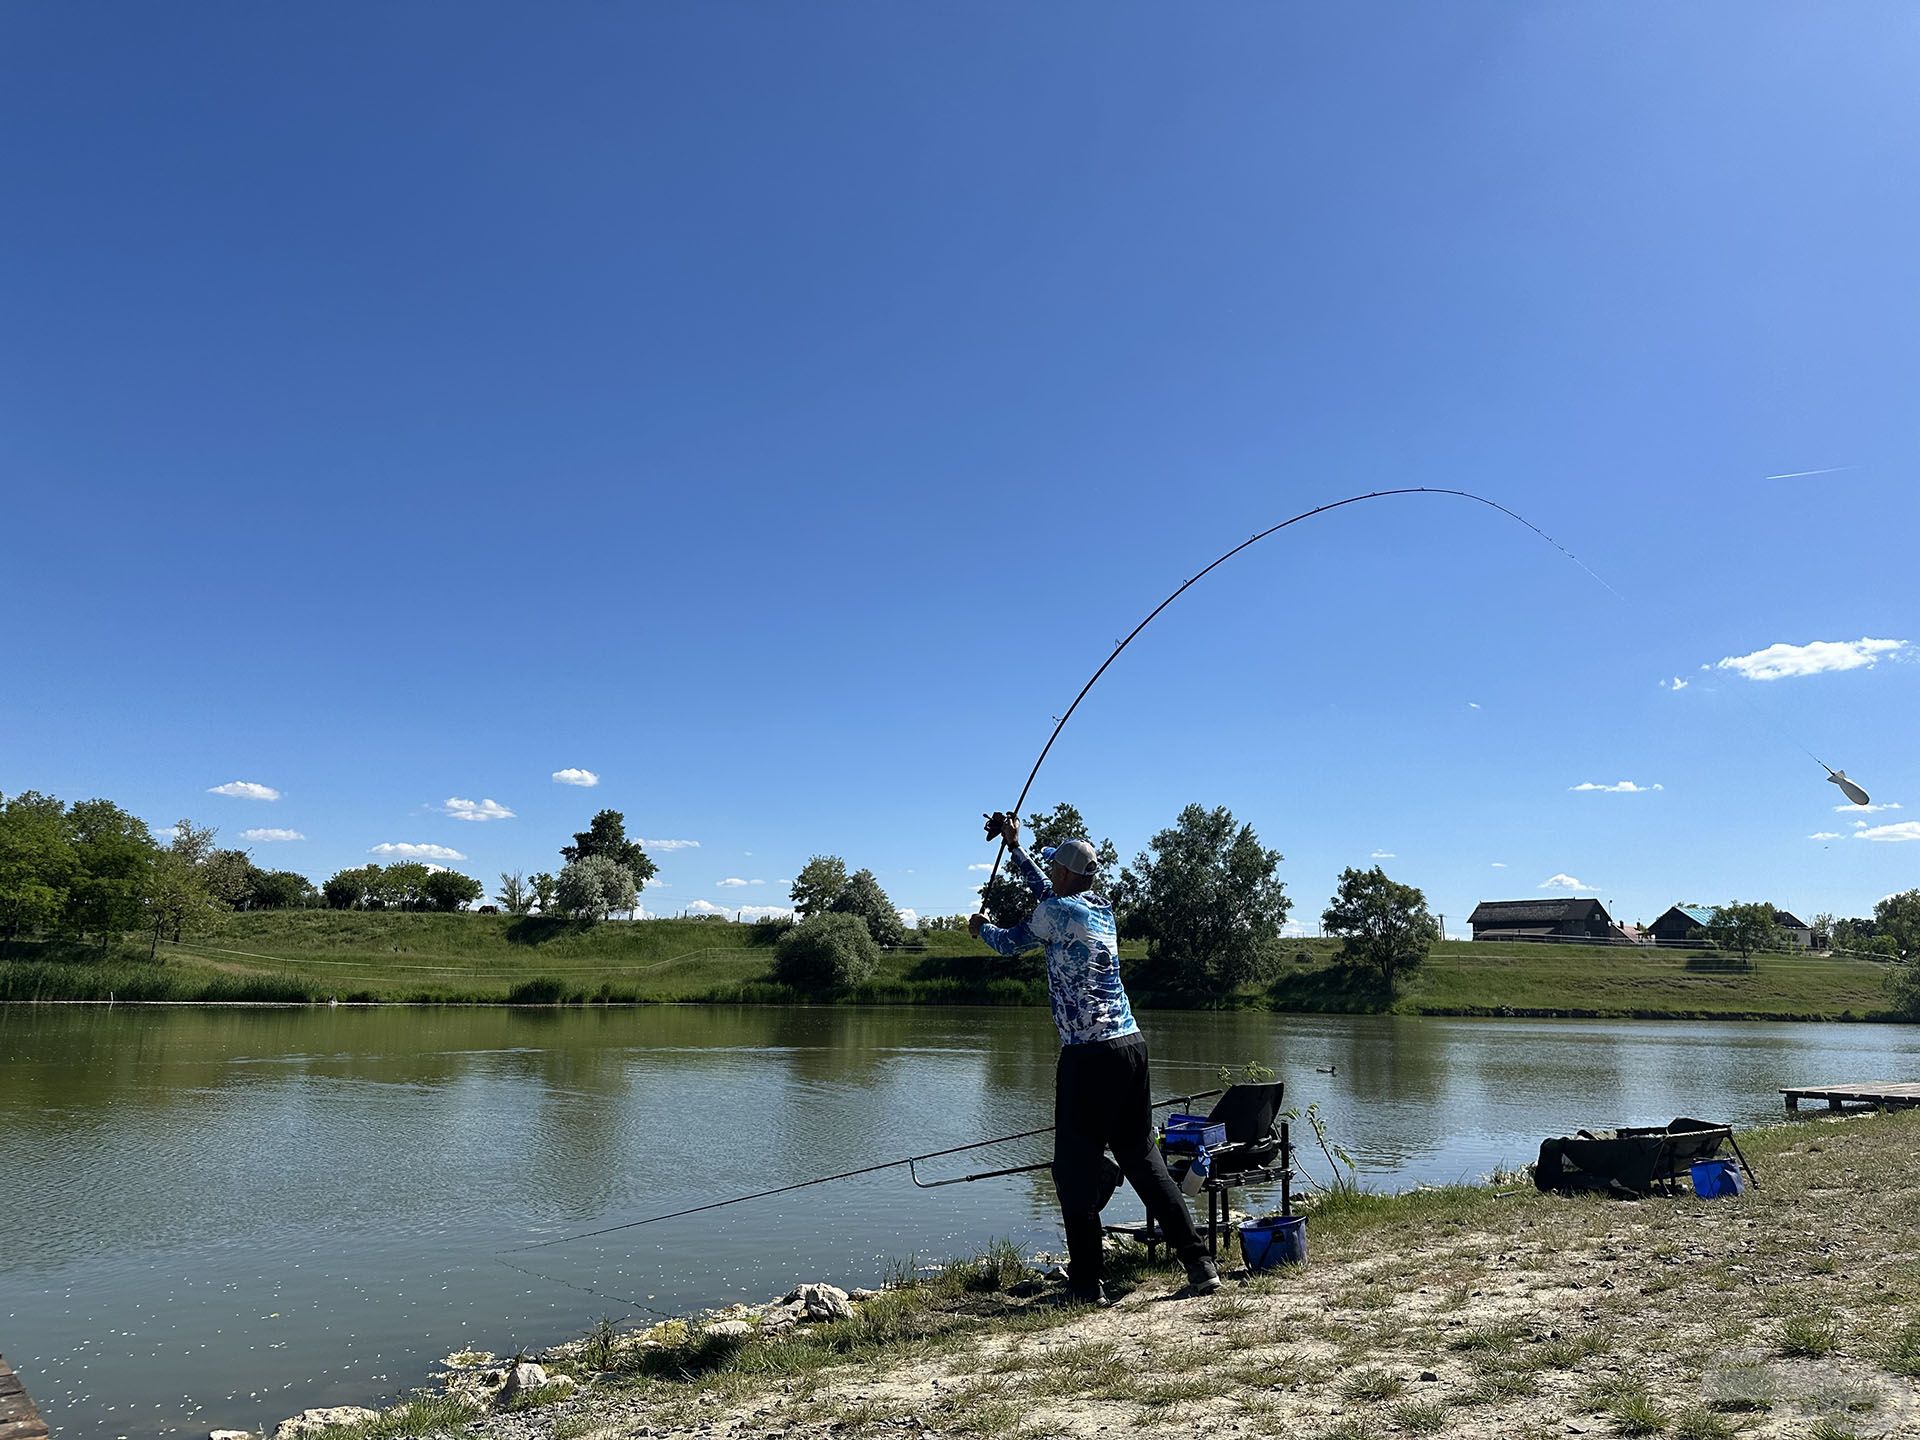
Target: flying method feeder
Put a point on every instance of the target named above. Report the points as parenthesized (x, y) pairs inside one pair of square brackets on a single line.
[(1847, 787)]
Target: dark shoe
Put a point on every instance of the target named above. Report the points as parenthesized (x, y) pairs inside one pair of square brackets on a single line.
[(1095, 1295), (1203, 1276)]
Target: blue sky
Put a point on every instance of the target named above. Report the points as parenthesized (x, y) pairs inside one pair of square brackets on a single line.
[(778, 411)]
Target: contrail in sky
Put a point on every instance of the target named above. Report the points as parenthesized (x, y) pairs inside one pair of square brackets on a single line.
[(1797, 474)]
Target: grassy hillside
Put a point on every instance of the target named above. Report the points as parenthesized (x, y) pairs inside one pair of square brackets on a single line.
[(320, 955), (1525, 979), (317, 955)]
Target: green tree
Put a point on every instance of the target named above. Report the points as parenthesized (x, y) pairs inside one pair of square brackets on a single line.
[(1007, 900), (543, 886), (1896, 920), (400, 887), (825, 950), (1744, 928), (862, 896), (349, 889), (595, 887), (37, 864), (229, 876), (176, 898), (114, 854), (515, 897), (192, 843), (818, 885), (606, 837), (1208, 903), (282, 890), (449, 890), (1381, 923)]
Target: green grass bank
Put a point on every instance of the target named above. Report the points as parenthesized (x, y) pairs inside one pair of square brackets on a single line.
[(313, 956)]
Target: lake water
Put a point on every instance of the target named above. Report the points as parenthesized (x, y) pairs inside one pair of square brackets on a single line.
[(219, 1217)]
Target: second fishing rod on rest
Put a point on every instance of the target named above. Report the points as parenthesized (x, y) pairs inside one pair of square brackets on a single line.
[(1186, 1098)]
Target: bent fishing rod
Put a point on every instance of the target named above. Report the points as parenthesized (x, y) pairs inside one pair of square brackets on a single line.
[(1838, 777), (910, 1161)]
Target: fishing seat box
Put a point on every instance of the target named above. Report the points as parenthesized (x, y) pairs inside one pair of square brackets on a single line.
[(1186, 1134)]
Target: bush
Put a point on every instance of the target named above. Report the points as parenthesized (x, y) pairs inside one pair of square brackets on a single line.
[(769, 929), (826, 950), (1903, 985), (541, 990)]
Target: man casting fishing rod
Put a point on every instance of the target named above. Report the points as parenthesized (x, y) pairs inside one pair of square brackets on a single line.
[(1101, 1098)]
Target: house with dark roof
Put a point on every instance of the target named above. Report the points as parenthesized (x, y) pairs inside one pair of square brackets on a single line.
[(1542, 920), (1799, 934), (1679, 922)]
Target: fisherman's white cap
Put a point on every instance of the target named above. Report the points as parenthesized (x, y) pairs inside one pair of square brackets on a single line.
[(1074, 855)]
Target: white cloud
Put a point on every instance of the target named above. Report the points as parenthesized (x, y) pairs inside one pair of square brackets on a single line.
[(404, 850), (707, 907), (1824, 835), (475, 809), (670, 844), (734, 882), (766, 912), (1779, 662), (1625, 787), (1383, 855), (270, 835), (1499, 864), (166, 834), (1675, 684), (909, 918), (245, 790), (1473, 704), (1903, 830), (571, 776), (983, 865), (1865, 809), (1562, 881)]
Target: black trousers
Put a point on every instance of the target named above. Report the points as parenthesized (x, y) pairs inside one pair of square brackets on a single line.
[(1102, 1101)]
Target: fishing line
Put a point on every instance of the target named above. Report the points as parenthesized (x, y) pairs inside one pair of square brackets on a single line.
[(1184, 1098), (1838, 777), (587, 1290)]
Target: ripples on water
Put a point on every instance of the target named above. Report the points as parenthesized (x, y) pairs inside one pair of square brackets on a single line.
[(224, 1216)]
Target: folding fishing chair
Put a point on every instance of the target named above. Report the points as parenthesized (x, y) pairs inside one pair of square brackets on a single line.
[(1258, 1151), (1633, 1160)]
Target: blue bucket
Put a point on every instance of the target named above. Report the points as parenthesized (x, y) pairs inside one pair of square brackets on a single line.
[(1281, 1240), (1716, 1179)]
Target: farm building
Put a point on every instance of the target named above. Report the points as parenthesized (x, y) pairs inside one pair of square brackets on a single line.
[(1680, 921), (1542, 920)]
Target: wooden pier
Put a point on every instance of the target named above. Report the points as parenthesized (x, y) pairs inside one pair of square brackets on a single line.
[(1875, 1094), (18, 1419)]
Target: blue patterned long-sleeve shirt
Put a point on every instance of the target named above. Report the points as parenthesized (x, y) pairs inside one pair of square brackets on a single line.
[(1083, 958)]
